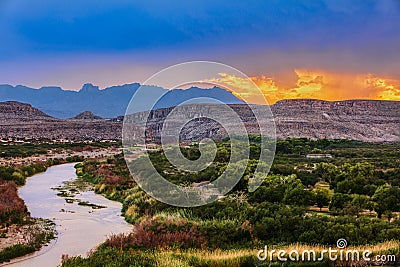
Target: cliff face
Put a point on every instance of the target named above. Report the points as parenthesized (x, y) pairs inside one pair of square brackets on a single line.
[(366, 120)]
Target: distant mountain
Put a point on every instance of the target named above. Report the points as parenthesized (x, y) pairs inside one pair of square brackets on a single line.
[(86, 115), (107, 103)]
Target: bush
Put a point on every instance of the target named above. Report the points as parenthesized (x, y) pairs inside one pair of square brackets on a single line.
[(15, 251), (12, 208), (226, 234), (160, 233)]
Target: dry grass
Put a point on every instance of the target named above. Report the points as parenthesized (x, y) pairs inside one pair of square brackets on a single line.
[(218, 258)]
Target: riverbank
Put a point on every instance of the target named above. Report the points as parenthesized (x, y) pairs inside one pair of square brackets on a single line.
[(27, 233), (22, 155), (80, 228), (19, 240), (20, 233)]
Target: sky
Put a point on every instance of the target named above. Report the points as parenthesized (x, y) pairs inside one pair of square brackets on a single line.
[(326, 49)]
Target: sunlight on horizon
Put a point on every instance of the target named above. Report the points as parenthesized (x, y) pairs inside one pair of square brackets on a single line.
[(316, 84)]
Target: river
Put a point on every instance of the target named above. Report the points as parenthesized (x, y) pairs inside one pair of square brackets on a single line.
[(80, 229)]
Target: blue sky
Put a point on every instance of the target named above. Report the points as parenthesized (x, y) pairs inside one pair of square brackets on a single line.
[(67, 43)]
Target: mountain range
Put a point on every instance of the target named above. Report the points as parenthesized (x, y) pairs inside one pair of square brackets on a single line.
[(109, 102), (365, 120)]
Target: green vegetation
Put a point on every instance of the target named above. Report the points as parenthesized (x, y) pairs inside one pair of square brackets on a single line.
[(29, 149), (93, 206), (106, 256), (113, 255), (37, 231), (15, 251), (353, 195)]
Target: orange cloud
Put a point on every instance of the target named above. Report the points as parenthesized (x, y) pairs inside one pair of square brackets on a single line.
[(314, 84)]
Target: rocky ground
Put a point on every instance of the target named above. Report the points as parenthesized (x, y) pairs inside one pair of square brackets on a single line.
[(24, 234)]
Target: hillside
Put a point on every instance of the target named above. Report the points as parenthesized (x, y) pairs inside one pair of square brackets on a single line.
[(366, 120), (14, 111), (86, 115), (22, 121)]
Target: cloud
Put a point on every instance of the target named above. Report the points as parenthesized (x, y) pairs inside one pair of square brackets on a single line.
[(316, 84)]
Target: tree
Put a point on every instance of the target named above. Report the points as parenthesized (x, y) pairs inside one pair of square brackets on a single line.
[(357, 205), (321, 197), (326, 171), (352, 179), (339, 201), (298, 195), (387, 199)]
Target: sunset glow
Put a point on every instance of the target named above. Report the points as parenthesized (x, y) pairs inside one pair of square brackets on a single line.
[(315, 84)]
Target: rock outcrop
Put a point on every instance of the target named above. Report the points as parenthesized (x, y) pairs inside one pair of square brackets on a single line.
[(87, 115)]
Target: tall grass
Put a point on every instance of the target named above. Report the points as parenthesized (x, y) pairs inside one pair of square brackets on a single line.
[(106, 256)]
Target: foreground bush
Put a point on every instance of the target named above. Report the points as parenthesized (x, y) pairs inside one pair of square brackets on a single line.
[(12, 207), (160, 233), (15, 251)]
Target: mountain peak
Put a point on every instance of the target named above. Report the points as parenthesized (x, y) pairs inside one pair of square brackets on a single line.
[(109, 102), (88, 87), (87, 115)]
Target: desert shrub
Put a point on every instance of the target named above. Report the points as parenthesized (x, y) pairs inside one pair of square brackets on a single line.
[(15, 251), (159, 232), (225, 233), (12, 207), (111, 256)]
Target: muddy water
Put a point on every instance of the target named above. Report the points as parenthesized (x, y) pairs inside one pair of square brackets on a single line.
[(79, 228)]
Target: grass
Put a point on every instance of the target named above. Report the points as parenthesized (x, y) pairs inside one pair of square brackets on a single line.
[(16, 251), (389, 247), (105, 256)]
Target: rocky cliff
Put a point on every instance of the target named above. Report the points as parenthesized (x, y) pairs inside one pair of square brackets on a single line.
[(366, 120)]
